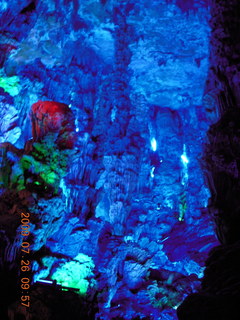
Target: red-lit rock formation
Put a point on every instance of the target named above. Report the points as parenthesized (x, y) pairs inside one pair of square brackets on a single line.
[(56, 117)]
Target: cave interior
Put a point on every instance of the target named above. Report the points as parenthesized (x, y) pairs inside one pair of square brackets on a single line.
[(120, 159)]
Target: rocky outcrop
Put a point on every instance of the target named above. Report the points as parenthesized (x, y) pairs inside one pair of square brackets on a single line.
[(54, 117), (218, 297), (124, 196)]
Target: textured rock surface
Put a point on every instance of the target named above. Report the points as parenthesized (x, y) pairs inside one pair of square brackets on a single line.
[(218, 297), (134, 198), (55, 117)]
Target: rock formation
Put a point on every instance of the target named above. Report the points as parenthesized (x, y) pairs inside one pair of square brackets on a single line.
[(114, 164)]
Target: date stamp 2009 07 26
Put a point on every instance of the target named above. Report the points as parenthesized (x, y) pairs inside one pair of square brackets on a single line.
[(25, 262)]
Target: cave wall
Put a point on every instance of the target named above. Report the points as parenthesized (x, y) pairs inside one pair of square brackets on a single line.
[(133, 200), (218, 296)]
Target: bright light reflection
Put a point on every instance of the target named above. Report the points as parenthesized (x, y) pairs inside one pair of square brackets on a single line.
[(184, 159), (152, 172), (154, 144)]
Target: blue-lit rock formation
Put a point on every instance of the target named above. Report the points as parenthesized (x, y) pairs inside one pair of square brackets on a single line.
[(218, 297), (116, 192)]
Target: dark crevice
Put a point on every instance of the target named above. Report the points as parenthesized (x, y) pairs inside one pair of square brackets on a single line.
[(30, 8)]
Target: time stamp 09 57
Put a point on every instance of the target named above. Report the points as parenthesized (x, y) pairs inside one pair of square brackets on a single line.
[(25, 262)]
